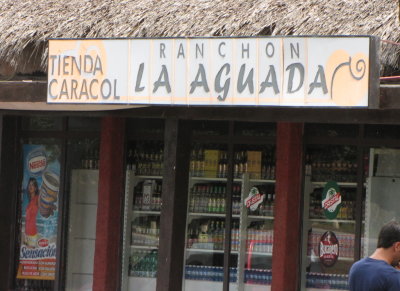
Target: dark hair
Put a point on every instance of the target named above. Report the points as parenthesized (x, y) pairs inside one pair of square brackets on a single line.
[(389, 234), (34, 181)]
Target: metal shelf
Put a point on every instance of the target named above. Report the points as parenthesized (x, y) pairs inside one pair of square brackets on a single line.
[(146, 177), (259, 254), (145, 212), (344, 259), (144, 247), (235, 180), (260, 217), (332, 220), (208, 251), (343, 184), (208, 214)]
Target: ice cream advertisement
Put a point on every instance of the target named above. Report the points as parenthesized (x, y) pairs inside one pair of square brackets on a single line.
[(39, 211)]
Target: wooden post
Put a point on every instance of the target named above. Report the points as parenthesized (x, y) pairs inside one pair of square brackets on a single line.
[(107, 262), (287, 225), (174, 205)]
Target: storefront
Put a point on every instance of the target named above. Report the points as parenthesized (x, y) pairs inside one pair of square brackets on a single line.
[(361, 159), (238, 197), (155, 164)]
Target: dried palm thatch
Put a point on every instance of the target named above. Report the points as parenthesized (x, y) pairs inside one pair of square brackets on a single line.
[(26, 25)]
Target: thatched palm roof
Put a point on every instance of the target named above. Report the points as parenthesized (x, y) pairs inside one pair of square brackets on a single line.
[(25, 25)]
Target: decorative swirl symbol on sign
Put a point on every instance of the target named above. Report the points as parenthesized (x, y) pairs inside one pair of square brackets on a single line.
[(357, 71), (347, 78)]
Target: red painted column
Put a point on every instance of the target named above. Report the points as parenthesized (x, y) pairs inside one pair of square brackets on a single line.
[(107, 265), (287, 223)]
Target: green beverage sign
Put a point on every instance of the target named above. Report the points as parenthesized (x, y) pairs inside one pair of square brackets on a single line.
[(331, 200)]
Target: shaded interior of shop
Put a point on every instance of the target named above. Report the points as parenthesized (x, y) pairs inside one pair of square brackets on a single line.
[(215, 239)]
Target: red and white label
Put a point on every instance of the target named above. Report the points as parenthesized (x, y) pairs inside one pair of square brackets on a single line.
[(254, 199), (37, 164)]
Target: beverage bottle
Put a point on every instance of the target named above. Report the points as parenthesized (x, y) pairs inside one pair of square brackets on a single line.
[(268, 205), (192, 166), (308, 165), (202, 163), (220, 167), (129, 161), (225, 165), (197, 164), (197, 198), (210, 203), (235, 166), (188, 272)]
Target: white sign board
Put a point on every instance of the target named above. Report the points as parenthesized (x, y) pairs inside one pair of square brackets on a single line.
[(264, 71)]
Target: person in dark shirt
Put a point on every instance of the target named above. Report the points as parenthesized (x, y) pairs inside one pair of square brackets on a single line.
[(378, 272)]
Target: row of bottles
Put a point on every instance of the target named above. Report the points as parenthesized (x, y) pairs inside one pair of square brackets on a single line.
[(211, 198), (259, 240), (147, 195), (90, 160), (209, 273), (208, 162), (258, 276), (327, 281), (213, 163), (216, 274), (324, 167), (206, 234), (347, 208), (143, 263), (207, 198), (145, 231), (210, 234), (146, 159), (346, 244)]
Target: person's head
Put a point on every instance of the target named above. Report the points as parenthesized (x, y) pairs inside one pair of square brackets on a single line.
[(389, 238), (32, 188)]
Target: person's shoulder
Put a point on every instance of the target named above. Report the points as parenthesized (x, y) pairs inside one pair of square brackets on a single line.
[(368, 263), (361, 262)]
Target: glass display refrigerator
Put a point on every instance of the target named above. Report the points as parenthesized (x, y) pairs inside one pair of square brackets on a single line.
[(142, 215), (240, 207), (329, 221), (250, 197)]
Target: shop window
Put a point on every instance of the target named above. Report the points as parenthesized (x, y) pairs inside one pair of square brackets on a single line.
[(329, 222), (39, 211), (42, 166), (383, 194), (251, 223), (83, 179), (251, 229), (144, 164), (38, 123)]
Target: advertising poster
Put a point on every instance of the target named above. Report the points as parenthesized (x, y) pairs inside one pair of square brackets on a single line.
[(331, 200), (328, 249), (40, 188)]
